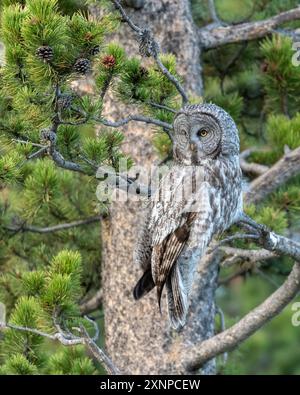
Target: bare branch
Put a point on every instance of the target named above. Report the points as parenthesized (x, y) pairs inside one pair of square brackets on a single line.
[(65, 164), (162, 107), (92, 304), (126, 18), (77, 123), (287, 167), (213, 36), (55, 228), (57, 336), (280, 245), (213, 12), (173, 79), (252, 168), (98, 353), (214, 246), (271, 241), (38, 153), (137, 118), (239, 254), (96, 327), (254, 320), (136, 4)]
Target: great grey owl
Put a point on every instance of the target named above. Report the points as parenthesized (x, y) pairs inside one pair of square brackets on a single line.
[(199, 197)]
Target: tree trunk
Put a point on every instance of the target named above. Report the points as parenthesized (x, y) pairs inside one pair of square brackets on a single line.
[(138, 339)]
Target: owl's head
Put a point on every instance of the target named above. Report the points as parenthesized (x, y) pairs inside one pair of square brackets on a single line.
[(204, 131)]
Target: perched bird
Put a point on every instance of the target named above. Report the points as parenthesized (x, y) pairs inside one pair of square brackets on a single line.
[(199, 197)]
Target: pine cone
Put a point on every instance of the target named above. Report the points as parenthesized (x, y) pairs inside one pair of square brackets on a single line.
[(148, 46), (45, 53), (64, 102), (82, 66), (48, 136), (95, 50), (109, 61)]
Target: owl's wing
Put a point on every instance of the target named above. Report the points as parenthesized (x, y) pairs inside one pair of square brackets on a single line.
[(171, 234), (171, 221), (172, 201), (166, 253)]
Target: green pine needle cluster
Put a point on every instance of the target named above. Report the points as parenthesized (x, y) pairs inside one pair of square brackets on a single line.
[(48, 293), (281, 79)]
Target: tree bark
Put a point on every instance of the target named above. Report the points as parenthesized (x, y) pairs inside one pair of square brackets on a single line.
[(138, 339)]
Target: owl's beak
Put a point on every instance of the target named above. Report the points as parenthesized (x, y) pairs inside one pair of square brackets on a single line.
[(193, 147)]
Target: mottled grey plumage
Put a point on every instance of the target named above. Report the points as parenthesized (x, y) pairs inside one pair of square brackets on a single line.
[(198, 198)]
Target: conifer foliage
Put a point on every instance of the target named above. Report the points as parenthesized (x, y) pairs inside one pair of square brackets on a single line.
[(47, 129)]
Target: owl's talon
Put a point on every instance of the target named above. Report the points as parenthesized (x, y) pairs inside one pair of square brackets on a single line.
[(259, 228)]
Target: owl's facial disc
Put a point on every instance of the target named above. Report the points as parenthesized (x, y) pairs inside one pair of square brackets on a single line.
[(205, 135), (197, 136)]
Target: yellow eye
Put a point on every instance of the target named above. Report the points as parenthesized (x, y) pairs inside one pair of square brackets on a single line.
[(202, 133)]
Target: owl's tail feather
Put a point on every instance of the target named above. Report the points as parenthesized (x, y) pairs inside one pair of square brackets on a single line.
[(144, 285), (177, 299)]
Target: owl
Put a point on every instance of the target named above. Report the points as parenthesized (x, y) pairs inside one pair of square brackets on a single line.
[(199, 197)]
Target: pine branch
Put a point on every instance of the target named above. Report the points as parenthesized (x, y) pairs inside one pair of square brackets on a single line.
[(147, 40), (106, 86), (236, 236), (50, 136), (57, 336), (171, 78), (112, 178), (125, 17), (287, 167), (55, 228), (213, 12), (235, 255), (137, 118), (98, 353), (156, 105), (213, 36), (270, 240), (65, 164), (136, 4), (71, 340), (252, 168), (230, 338)]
